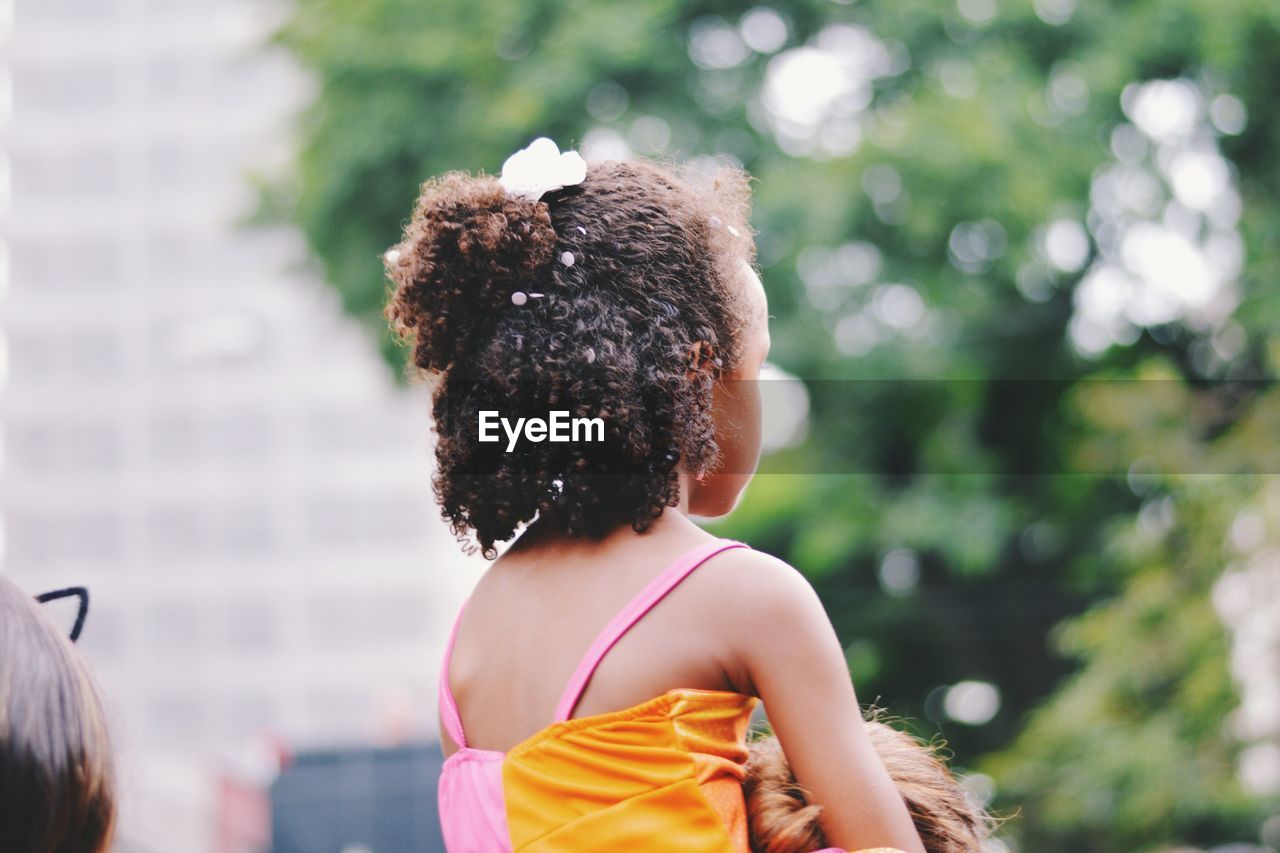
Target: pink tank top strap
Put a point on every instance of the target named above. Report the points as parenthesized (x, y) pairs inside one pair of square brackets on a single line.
[(638, 607), (449, 708)]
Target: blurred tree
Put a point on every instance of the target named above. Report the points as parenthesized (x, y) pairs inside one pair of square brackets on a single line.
[(983, 227)]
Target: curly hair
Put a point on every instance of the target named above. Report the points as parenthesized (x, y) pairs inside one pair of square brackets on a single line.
[(782, 819), (637, 267)]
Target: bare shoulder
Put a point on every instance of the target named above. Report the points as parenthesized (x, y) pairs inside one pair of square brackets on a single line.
[(759, 614), (758, 589), (750, 566)]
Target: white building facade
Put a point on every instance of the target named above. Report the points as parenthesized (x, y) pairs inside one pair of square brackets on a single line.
[(191, 428)]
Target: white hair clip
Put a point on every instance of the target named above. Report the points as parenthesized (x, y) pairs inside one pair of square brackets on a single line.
[(520, 297), (534, 171)]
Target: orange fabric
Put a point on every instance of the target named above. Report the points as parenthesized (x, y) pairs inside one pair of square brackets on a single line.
[(670, 769)]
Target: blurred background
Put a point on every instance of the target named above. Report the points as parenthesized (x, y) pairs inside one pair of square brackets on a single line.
[(194, 429), (1022, 261)]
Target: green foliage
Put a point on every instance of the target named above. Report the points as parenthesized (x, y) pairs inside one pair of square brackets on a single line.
[(1132, 749), (986, 446)]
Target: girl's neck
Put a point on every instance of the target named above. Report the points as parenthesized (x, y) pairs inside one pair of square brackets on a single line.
[(541, 541)]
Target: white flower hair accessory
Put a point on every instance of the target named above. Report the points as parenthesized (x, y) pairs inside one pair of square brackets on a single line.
[(534, 171)]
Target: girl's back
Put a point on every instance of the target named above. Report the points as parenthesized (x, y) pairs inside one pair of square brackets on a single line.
[(661, 747), (536, 612)]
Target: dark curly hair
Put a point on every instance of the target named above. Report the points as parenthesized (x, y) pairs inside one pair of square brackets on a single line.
[(637, 266)]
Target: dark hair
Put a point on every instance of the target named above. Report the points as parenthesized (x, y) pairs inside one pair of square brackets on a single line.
[(57, 790), (637, 265)]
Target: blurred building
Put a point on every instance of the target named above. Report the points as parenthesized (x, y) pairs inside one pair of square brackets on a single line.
[(190, 425)]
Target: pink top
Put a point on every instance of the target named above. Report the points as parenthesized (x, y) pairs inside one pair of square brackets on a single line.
[(473, 811)]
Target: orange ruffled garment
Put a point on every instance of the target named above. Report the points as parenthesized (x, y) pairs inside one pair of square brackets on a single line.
[(669, 769)]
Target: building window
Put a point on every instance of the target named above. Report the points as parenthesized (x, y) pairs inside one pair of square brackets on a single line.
[(193, 533), (69, 536), (80, 89), (221, 437), (41, 264), (248, 625), (51, 446), (367, 517)]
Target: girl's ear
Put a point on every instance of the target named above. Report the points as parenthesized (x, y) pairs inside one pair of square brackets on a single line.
[(82, 594)]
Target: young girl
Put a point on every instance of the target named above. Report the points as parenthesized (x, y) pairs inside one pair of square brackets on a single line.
[(57, 793), (597, 686)]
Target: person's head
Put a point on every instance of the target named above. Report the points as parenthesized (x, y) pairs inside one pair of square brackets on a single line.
[(57, 792), (638, 303), (781, 818)]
